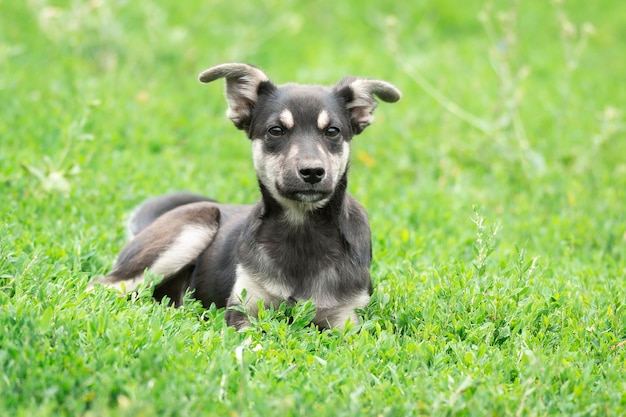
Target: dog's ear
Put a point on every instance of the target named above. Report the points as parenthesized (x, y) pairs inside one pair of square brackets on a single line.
[(242, 89), (358, 95)]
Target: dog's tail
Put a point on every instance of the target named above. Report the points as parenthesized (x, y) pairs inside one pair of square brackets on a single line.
[(148, 211)]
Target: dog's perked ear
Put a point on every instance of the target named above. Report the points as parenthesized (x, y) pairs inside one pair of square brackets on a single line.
[(358, 94), (242, 89)]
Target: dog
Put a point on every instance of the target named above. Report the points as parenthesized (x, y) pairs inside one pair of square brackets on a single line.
[(306, 239)]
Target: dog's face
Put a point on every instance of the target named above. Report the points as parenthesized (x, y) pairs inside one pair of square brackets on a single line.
[(300, 133), (300, 143)]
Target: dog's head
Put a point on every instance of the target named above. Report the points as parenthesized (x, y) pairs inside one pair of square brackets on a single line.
[(300, 133)]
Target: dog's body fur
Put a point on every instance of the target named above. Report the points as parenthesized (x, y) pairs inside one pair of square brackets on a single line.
[(307, 239)]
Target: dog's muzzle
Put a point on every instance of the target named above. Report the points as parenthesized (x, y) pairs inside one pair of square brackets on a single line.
[(308, 184)]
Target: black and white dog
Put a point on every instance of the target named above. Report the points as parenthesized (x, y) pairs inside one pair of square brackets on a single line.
[(307, 239)]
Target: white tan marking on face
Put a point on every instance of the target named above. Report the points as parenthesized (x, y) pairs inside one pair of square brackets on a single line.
[(340, 164), (286, 118), (267, 167), (323, 120)]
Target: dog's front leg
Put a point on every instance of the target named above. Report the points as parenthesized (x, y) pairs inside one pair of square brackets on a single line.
[(244, 299), (338, 316), (241, 305), (332, 319), (237, 318)]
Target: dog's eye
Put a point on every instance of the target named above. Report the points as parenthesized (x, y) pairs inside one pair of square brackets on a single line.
[(276, 131), (332, 132)]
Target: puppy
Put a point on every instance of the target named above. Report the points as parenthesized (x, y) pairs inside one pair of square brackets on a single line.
[(306, 239)]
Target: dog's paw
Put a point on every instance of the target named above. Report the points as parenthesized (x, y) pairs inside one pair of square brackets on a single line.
[(237, 317)]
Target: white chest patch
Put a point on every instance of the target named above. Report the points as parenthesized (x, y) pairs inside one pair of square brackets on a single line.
[(332, 310), (251, 287), (272, 290)]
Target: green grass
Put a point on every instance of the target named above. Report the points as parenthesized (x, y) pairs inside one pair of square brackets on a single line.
[(496, 191)]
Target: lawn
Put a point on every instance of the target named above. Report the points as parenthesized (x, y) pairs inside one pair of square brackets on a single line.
[(496, 190)]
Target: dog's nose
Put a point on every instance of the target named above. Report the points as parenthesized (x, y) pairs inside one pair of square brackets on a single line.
[(312, 175)]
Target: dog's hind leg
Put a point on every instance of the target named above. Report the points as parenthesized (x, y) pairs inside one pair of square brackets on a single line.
[(151, 209), (168, 247)]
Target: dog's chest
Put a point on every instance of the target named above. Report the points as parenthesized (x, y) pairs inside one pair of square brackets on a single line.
[(308, 280), (274, 282), (278, 261)]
